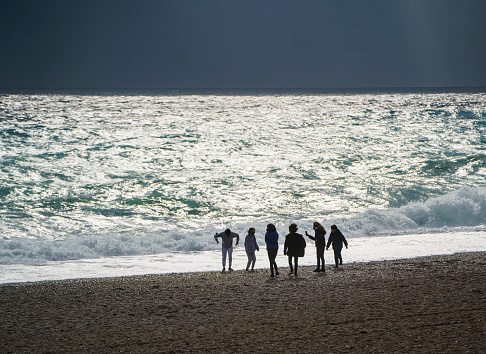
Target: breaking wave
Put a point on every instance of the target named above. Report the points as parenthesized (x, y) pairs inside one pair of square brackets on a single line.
[(461, 210)]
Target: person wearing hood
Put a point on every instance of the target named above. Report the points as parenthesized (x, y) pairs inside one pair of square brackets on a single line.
[(336, 238)]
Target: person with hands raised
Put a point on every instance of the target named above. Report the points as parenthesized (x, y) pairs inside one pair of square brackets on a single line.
[(227, 246)]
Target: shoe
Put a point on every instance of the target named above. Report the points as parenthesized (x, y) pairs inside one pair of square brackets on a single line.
[(272, 276), (296, 275), (230, 269), (224, 270), (291, 272), (317, 270), (276, 273), (246, 269)]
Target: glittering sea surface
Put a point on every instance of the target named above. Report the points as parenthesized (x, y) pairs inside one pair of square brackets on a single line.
[(100, 174)]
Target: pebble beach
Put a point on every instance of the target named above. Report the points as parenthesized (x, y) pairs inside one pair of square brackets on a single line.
[(421, 305)]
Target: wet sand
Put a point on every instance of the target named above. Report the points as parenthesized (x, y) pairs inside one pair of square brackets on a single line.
[(423, 305)]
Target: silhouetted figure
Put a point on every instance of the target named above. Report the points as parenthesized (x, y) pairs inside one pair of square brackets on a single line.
[(336, 238), (251, 246), (227, 246), (294, 247), (320, 241), (271, 239)]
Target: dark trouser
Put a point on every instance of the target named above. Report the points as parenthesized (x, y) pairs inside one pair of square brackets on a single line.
[(272, 254), (320, 257), (296, 262), (337, 256)]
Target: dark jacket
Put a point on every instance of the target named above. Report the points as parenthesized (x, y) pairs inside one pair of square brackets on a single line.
[(337, 239), (271, 239), (319, 238), (294, 245)]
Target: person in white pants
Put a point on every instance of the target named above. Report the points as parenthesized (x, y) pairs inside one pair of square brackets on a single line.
[(227, 246)]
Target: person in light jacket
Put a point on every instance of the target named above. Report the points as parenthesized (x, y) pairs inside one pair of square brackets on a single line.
[(227, 246), (251, 246), (336, 238)]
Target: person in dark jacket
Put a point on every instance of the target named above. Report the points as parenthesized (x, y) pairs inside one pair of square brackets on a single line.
[(320, 240), (336, 238), (271, 239), (294, 247)]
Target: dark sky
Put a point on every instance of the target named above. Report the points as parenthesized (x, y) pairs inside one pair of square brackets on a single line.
[(242, 43)]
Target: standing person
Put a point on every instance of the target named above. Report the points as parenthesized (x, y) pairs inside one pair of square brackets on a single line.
[(337, 239), (251, 246), (294, 247), (227, 246), (320, 240), (271, 239)]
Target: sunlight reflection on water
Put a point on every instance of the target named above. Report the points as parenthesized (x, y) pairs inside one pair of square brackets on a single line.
[(152, 173)]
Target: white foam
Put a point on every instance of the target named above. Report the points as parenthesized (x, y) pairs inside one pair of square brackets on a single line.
[(463, 210), (363, 249)]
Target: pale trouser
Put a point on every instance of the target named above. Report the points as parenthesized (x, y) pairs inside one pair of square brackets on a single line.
[(228, 251), (251, 260)]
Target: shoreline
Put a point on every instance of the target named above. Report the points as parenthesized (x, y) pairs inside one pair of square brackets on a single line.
[(281, 260), (361, 250), (424, 304)]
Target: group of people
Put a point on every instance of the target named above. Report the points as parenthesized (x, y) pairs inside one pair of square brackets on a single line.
[(294, 247)]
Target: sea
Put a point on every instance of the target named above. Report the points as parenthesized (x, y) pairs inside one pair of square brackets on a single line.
[(102, 183)]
